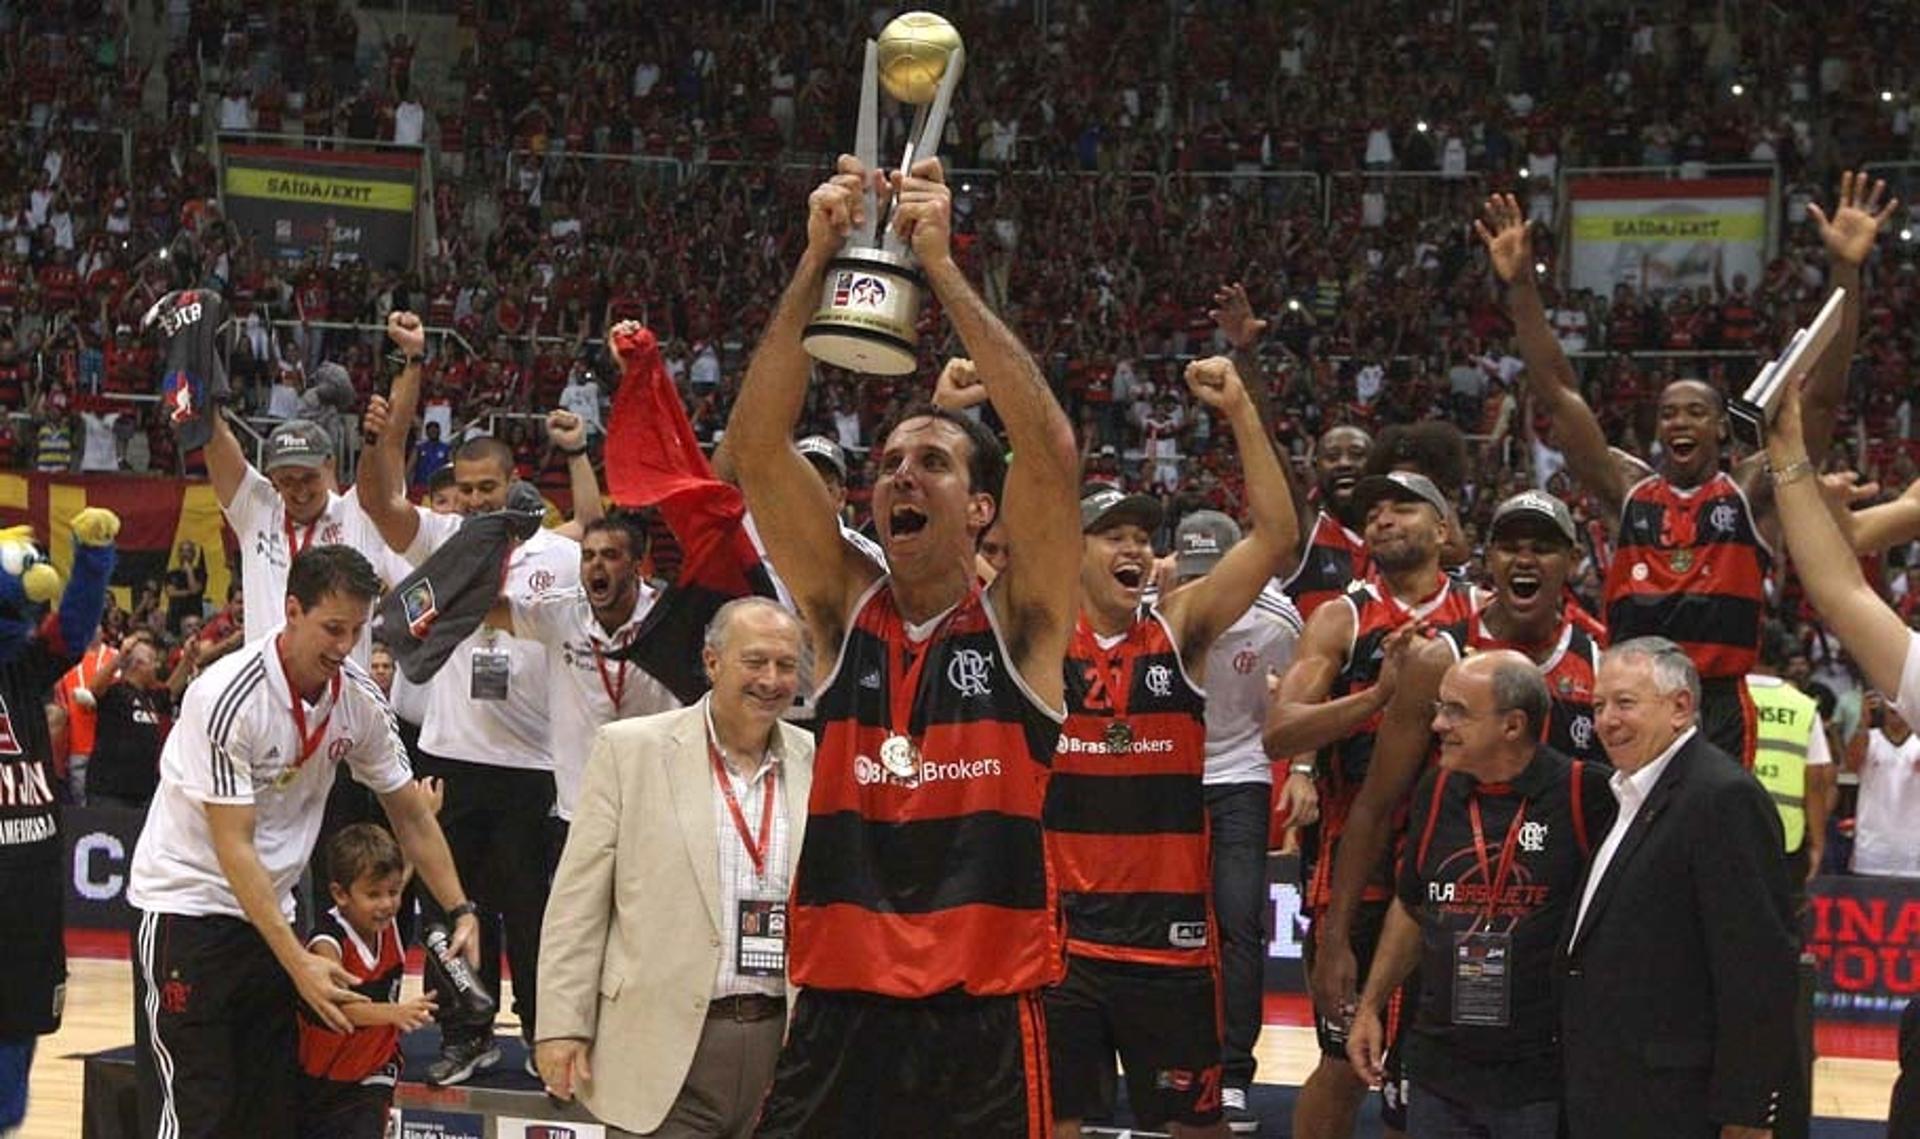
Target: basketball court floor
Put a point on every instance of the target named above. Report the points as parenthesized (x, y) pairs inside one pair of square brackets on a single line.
[(99, 1016)]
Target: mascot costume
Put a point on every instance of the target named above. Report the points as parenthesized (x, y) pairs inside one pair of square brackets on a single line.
[(36, 647)]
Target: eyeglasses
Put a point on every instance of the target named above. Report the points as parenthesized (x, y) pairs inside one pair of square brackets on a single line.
[(1453, 712)]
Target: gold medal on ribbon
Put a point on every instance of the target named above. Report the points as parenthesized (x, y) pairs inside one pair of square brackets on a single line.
[(899, 756)]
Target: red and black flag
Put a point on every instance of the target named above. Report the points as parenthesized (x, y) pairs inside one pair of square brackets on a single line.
[(156, 515), (653, 460)]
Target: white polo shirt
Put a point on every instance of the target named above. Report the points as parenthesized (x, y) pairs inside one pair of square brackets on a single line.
[(1260, 642), (236, 743), (268, 545), (582, 685), (499, 733)]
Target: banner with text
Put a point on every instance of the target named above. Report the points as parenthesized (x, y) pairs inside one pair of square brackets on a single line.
[(1865, 942), (285, 198), (1657, 233)]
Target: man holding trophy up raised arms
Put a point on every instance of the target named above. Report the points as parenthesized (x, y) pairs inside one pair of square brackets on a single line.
[(923, 918)]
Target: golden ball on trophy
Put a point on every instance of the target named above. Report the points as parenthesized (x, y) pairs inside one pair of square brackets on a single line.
[(914, 49)]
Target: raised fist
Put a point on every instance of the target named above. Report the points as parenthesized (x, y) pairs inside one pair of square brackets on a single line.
[(1216, 382), (959, 386), (566, 430), (96, 526), (407, 333)]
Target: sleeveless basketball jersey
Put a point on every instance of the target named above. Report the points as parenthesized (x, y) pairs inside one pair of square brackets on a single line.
[(935, 881), (1126, 813), (1335, 558), (1343, 766), (365, 1055), (1569, 671), (1690, 567)]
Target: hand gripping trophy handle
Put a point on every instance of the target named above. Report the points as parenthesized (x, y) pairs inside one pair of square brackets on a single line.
[(870, 306), (929, 121)]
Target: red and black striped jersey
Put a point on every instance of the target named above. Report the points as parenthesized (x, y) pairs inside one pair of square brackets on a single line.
[(911, 885), (1691, 567), (1334, 558), (1126, 814), (1569, 669), (368, 1055), (1343, 767)]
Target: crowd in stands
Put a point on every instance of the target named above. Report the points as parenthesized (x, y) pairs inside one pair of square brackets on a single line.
[(1112, 166)]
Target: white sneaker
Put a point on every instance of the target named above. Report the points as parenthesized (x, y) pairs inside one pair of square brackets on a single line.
[(1233, 1108)]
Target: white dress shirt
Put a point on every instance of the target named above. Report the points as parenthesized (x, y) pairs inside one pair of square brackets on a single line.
[(738, 879), (1632, 791)]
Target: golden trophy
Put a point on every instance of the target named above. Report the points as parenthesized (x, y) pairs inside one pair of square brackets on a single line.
[(871, 303)]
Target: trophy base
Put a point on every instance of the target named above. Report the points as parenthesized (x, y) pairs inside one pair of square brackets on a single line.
[(859, 350), (868, 314)]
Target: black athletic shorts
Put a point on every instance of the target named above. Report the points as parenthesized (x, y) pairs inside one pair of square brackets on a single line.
[(1727, 717), (1369, 921), (945, 1067), (1164, 1022), (33, 953), (216, 1049)]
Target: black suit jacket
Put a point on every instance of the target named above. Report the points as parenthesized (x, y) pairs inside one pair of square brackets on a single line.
[(1679, 986)]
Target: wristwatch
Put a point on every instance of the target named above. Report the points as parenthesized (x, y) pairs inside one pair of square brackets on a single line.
[(414, 359), (455, 913), (1301, 767)]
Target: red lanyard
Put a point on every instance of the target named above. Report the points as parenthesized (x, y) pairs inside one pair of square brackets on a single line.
[(308, 742), (616, 687), (295, 549), (904, 678), (756, 850), (1509, 847)]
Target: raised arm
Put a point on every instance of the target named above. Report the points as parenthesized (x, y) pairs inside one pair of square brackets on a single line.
[(227, 464), (790, 505), (382, 484), (1203, 609), (1849, 236), (568, 434), (1038, 594), (1233, 314), (1549, 375), (1866, 625), (1875, 529)]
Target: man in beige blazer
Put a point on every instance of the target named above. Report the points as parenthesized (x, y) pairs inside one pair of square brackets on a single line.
[(662, 990)]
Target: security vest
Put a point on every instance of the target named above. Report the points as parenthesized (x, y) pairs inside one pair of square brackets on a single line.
[(1784, 720)]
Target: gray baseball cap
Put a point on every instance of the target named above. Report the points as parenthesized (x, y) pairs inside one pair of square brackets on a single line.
[(297, 443), (1534, 507), (1200, 541), (1110, 506), (1401, 486), (819, 449)]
